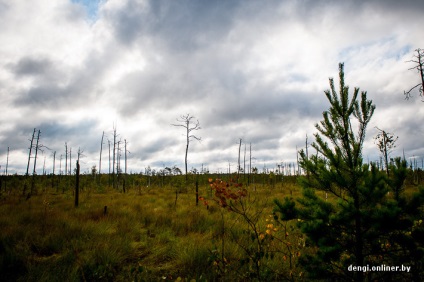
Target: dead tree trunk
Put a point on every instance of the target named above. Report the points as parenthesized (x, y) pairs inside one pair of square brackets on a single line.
[(70, 161), (250, 164), (7, 164), (419, 66), (187, 124), (35, 164), (114, 157), (77, 184), (29, 159), (100, 160), (244, 163), (108, 142), (54, 162), (239, 167), (30, 150), (66, 158), (125, 140), (7, 159)]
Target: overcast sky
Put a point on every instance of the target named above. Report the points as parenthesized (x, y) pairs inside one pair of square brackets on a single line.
[(250, 69)]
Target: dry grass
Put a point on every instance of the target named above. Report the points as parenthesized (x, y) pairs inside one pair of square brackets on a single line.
[(145, 235)]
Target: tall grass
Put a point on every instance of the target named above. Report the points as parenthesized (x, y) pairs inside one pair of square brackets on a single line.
[(144, 235)]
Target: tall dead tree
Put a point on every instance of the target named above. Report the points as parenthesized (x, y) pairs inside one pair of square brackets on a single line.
[(114, 157), (385, 142), (126, 151), (60, 171), (250, 164), (80, 154), (419, 62), (7, 159), (189, 125), (108, 142), (66, 158), (30, 150), (54, 162), (70, 161), (5, 173), (29, 160), (239, 167), (100, 160), (244, 161), (35, 164), (77, 173)]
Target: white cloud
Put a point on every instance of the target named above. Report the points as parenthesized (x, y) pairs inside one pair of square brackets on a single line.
[(245, 69)]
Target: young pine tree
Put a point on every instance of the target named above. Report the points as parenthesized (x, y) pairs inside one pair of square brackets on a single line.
[(355, 225)]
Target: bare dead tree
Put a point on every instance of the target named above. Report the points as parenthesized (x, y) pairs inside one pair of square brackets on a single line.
[(60, 170), (54, 164), (250, 163), (385, 142), (66, 158), (189, 125), (80, 154), (126, 151), (77, 182), (30, 150), (44, 166), (418, 61), (7, 159), (244, 161), (118, 157), (114, 156), (108, 142), (100, 160), (70, 160), (239, 166), (35, 163)]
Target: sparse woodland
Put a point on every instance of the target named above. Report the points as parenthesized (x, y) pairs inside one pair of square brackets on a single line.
[(311, 225)]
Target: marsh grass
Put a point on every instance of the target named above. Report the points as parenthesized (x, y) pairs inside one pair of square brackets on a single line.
[(143, 236)]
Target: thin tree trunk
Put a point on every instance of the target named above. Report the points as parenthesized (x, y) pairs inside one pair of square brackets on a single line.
[(66, 158), (70, 161), (7, 159), (125, 141), (239, 167), (250, 163), (113, 154), (35, 163), (188, 142), (77, 184), (30, 150), (54, 162), (244, 162), (100, 160), (109, 161)]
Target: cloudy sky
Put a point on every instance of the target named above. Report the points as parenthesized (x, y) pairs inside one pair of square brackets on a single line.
[(250, 69)]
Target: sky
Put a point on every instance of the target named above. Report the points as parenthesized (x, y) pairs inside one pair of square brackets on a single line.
[(251, 70)]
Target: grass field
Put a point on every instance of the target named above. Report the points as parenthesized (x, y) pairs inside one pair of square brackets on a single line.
[(148, 233), (145, 234)]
